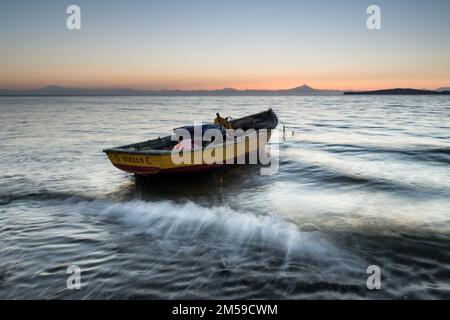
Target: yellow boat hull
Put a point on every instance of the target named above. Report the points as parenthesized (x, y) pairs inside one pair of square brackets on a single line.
[(150, 163)]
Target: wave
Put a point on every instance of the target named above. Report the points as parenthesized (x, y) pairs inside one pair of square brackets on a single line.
[(6, 199), (323, 167), (166, 220), (438, 154), (218, 226), (192, 225), (325, 176)]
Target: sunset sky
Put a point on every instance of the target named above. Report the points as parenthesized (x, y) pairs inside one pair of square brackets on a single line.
[(207, 44)]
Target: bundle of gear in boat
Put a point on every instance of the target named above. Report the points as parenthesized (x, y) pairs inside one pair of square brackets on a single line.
[(220, 125)]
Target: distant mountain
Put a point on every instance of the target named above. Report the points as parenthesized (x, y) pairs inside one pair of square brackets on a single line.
[(398, 91), (304, 89), (4, 92), (63, 91), (301, 90)]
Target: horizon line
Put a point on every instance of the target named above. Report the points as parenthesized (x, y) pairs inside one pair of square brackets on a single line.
[(305, 86)]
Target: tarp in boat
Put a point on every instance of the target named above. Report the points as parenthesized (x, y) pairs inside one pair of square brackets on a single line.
[(203, 128)]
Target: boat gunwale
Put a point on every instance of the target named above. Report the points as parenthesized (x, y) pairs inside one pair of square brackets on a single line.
[(168, 152)]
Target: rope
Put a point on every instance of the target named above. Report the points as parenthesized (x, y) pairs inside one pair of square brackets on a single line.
[(291, 130)]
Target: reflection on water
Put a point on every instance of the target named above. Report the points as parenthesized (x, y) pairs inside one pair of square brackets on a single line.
[(221, 183), (364, 180)]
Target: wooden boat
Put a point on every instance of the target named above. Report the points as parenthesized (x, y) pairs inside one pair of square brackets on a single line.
[(156, 156)]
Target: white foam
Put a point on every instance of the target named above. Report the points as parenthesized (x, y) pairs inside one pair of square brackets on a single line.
[(216, 225)]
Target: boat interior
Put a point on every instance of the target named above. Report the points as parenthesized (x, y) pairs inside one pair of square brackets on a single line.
[(165, 143)]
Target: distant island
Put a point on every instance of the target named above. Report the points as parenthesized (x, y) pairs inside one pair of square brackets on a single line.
[(64, 91), (401, 91), (301, 90)]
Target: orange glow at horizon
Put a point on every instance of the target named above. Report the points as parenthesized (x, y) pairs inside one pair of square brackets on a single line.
[(143, 76), (263, 84)]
